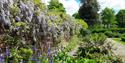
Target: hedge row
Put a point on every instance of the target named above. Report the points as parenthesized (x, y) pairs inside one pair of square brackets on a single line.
[(120, 30)]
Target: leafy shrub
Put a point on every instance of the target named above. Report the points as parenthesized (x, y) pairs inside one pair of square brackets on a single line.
[(109, 33), (31, 23), (98, 30), (84, 32), (117, 34), (74, 41), (63, 56), (96, 44), (112, 34), (82, 23), (122, 35), (123, 38), (95, 47)]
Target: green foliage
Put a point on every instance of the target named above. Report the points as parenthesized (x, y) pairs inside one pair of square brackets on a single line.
[(39, 4), (76, 15), (34, 27), (14, 10), (84, 32), (108, 17), (18, 24), (97, 26), (121, 18), (25, 53), (119, 40), (55, 5), (74, 41), (17, 55), (112, 34), (95, 42), (123, 38), (94, 47), (82, 23), (63, 56), (120, 30), (13, 41), (109, 33), (98, 38)]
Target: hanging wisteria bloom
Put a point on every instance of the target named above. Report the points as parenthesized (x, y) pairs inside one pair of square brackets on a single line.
[(49, 51), (7, 52), (51, 60), (2, 60)]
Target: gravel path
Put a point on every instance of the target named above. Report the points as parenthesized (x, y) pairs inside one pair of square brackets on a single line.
[(119, 49)]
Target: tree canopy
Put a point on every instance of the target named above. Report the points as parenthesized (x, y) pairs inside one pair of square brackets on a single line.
[(56, 5), (89, 11), (108, 17), (121, 18)]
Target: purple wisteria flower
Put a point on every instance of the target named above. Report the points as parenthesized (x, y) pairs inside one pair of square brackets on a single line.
[(7, 52), (49, 51), (51, 60), (35, 58), (35, 49), (2, 60), (38, 62), (39, 53), (17, 19)]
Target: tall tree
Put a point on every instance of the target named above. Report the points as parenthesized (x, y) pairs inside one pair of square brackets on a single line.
[(121, 18), (89, 11), (108, 17), (56, 5)]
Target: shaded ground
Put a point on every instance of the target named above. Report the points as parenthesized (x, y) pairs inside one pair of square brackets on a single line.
[(119, 48)]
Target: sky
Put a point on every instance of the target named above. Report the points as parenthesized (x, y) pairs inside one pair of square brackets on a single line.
[(72, 6)]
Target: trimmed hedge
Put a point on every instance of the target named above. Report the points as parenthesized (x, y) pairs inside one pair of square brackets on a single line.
[(112, 34), (120, 30)]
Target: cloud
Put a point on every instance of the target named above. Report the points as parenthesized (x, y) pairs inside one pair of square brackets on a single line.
[(46, 1), (115, 4), (72, 6)]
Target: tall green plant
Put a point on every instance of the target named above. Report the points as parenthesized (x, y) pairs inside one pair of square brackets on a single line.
[(108, 18), (55, 5)]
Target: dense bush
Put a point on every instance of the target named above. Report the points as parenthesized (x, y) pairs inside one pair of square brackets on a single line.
[(31, 23), (95, 47), (123, 38), (28, 55), (84, 32), (111, 34)]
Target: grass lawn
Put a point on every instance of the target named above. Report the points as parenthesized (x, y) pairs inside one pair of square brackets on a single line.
[(118, 40)]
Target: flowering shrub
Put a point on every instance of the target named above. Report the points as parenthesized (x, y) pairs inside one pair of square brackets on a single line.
[(30, 23), (95, 47)]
